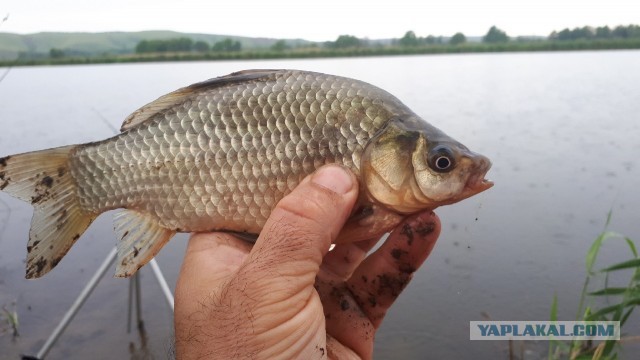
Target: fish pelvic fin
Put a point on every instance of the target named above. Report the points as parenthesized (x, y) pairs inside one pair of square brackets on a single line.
[(140, 238), (43, 179)]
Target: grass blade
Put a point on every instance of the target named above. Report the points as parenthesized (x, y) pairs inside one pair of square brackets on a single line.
[(632, 245), (595, 248), (609, 291), (609, 214), (625, 317), (609, 309), (634, 263), (608, 347)]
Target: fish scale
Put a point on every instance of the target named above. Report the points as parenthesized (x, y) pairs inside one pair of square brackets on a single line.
[(267, 153), (220, 154)]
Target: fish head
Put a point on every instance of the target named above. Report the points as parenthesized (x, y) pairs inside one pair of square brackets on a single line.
[(410, 166)]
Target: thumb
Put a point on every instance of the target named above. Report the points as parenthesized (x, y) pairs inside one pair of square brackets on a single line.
[(301, 228)]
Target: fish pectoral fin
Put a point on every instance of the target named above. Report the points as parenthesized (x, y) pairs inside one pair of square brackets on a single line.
[(140, 238), (367, 223)]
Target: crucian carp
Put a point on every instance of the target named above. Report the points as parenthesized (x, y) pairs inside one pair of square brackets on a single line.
[(219, 155)]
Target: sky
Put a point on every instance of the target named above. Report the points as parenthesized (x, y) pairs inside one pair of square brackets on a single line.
[(318, 20)]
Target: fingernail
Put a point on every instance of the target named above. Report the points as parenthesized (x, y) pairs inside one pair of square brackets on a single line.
[(334, 178)]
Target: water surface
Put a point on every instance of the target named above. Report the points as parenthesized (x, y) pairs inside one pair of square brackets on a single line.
[(562, 130)]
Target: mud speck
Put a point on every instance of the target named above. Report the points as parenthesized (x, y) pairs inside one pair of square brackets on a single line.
[(40, 264), (424, 229), (408, 232), (344, 305), (397, 253), (47, 181), (406, 268), (37, 198), (55, 262), (392, 284), (3, 161)]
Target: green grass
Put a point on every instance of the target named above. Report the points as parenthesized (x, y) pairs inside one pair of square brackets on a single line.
[(11, 319), (625, 299)]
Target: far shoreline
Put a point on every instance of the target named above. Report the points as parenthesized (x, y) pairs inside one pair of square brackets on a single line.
[(320, 53)]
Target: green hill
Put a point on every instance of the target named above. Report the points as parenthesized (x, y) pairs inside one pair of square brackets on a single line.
[(13, 46)]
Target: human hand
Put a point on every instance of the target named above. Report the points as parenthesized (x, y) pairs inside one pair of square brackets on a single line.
[(287, 296)]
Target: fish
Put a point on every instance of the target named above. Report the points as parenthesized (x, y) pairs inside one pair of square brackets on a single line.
[(218, 155)]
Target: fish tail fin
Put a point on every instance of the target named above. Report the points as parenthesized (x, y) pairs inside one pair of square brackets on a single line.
[(43, 179)]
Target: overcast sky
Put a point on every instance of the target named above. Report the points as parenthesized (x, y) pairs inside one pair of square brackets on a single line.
[(316, 20)]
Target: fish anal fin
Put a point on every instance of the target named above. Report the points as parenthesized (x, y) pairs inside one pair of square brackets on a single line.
[(140, 238), (181, 95)]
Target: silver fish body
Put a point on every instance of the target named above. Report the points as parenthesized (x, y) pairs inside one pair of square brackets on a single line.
[(219, 155), (222, 158)]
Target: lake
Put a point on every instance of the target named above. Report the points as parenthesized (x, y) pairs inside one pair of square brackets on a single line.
[(562, 130)]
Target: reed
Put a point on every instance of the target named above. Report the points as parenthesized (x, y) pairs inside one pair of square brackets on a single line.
[(625, 300)]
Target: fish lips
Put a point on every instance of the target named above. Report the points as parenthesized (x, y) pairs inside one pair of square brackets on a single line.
[(477, 183)]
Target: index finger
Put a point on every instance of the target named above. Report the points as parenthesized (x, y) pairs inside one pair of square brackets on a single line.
[(383, 275)]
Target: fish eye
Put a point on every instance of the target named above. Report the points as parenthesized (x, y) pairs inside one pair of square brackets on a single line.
[(441, 159)]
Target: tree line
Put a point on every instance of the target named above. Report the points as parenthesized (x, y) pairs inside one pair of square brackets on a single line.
[(601, 32), (495, 39), (184, 44), (494, 35)]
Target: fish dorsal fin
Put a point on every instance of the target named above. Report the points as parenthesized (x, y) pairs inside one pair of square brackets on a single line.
[(140, 239), (176, 97)]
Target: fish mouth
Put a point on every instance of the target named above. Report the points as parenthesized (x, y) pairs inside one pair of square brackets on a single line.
[(477, 183)]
